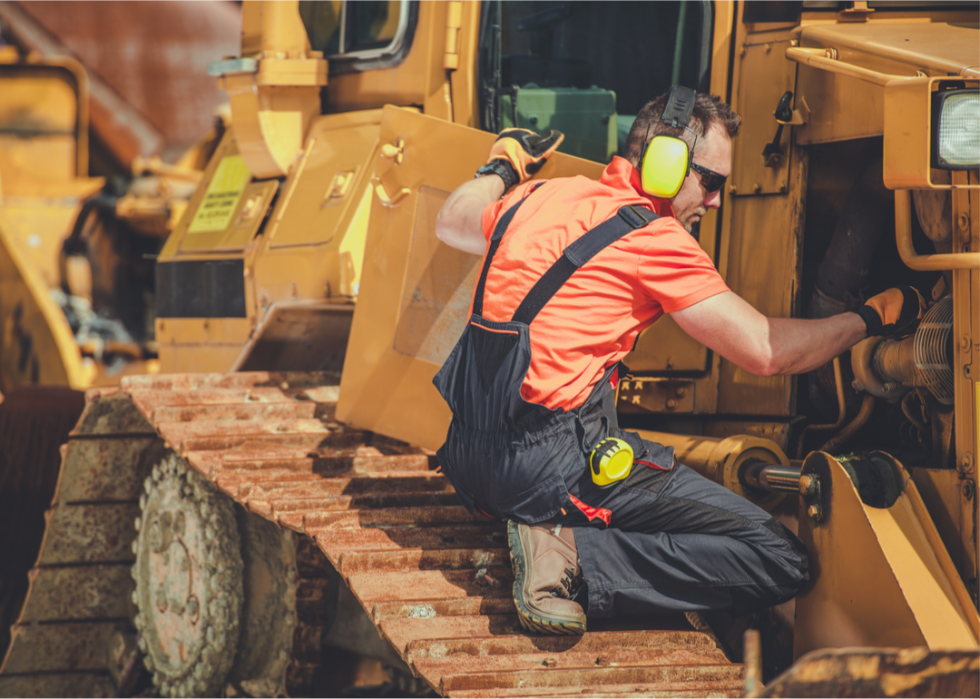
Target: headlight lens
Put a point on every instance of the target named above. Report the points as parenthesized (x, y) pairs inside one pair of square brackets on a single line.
[(959, 130)]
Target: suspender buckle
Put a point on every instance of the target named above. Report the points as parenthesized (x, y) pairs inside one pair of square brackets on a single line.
[(636, 216)]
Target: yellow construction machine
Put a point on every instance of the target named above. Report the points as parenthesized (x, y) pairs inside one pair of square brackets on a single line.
[(76, 252), (284, 523)]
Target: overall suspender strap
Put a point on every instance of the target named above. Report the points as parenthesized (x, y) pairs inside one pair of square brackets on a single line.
[(629, 218), (498, 233)]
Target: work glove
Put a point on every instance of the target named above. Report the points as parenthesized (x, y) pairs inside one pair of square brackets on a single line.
[(522, 153), (893, 312)]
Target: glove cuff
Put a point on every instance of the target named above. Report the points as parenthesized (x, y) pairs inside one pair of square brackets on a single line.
[(503, 169), (871, 320)]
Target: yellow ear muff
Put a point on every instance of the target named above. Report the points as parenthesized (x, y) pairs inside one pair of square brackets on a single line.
[(664, 167)]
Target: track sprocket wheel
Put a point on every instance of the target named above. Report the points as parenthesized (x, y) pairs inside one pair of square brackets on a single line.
[(188, 575)]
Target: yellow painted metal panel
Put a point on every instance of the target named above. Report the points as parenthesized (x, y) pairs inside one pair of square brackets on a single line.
[(252, 201), (39, 118), (36, 343), (179, 359), (878, 579), (755, 101), (322, 191), (221, 197), (43, 158), (418, 79), (226, 148), (313, 246), (384, 389)]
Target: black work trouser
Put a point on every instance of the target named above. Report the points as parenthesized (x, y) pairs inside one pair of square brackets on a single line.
[(679, 542), (664, 539)]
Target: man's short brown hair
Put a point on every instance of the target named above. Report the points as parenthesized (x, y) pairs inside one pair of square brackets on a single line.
[(708, 110)]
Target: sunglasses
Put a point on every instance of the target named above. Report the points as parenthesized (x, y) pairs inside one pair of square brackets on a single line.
[(710, 180)]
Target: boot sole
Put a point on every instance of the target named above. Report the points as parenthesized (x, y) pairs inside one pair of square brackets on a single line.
[(530, 620)]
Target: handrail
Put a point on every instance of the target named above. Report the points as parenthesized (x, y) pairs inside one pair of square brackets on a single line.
[(826, 59), (924, 263)]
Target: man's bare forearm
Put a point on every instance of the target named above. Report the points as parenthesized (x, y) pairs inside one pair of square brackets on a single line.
[(460, 221), (768, 346), (799, 346)]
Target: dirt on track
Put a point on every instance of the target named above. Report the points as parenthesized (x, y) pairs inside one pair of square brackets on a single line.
[(434, 580)]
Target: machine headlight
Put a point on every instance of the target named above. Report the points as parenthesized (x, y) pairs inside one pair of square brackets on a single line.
[(956, 129)]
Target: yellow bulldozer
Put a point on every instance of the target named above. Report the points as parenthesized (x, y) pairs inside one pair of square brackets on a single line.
[(269, 506)]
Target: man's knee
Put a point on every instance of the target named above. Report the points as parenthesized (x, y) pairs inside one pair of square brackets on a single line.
[(797, 558), (794, 562)]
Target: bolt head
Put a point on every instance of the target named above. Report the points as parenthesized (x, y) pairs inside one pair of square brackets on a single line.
[(815, 512), (808, 485)]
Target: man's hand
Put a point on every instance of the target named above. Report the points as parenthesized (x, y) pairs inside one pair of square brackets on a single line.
[(523, 153), (893, 312)]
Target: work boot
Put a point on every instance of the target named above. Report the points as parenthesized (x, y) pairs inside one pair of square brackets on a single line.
[(547, 577)]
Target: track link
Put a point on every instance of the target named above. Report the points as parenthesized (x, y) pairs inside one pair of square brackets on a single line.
[(434, 580)]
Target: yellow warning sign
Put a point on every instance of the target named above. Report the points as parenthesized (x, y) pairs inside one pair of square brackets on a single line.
[(222, 195)]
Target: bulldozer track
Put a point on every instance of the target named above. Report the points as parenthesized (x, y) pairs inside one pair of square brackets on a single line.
[(434, 580)]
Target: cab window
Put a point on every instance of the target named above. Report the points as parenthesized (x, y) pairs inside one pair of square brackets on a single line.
[(363, 30), (586, 68)]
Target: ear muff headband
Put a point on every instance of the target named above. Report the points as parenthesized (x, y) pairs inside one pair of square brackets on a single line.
[(666, 160)]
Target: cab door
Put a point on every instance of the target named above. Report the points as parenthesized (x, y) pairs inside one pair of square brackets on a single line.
[(415, 290)]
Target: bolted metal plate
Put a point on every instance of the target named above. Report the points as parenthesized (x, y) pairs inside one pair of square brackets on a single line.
[(653, 395)]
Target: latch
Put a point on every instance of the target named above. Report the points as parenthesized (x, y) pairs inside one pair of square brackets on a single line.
[(857, 12), (454, 23), (339, 186), (785, 115), (388, 200), (394, 151)]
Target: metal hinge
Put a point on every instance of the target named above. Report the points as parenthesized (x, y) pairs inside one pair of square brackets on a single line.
[(857, 12), (454, 23)]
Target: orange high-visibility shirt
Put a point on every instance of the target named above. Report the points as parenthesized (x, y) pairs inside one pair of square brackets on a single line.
[(594, 319)]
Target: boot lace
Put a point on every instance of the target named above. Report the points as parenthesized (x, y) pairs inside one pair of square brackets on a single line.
[(569, 585)]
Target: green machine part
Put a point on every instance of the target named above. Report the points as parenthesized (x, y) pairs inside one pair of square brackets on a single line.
[(586, 117)]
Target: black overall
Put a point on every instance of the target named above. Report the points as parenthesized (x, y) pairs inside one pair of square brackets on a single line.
[(663, 539)]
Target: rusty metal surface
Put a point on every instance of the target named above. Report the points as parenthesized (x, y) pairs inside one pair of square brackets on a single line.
[(110, 469), (59, 685), (80, 585), (153, 55), (880, 672), (89, 533), (99, 591), (72, 646), (435, 580)]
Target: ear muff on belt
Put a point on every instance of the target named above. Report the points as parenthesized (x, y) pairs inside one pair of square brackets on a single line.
[(665, 161), (610, 462)]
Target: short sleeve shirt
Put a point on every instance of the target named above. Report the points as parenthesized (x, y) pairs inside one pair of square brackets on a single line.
[(593, 321)]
